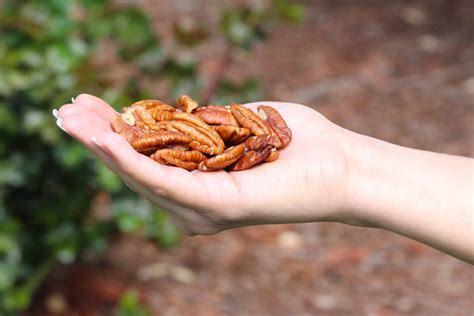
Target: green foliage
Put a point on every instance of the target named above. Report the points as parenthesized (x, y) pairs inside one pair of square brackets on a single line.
[(48, 53), (129, 305)]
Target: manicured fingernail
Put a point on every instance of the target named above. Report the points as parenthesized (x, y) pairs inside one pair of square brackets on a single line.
[(56, 113), (73, 100), (96, 141), (59, 123)]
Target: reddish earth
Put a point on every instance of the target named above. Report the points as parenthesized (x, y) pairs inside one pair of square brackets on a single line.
[(402, 71)]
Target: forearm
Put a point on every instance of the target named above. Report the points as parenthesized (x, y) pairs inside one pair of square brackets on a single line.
[(421, 195)]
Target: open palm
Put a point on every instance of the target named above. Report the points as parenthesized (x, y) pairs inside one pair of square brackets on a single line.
[(305, 184)]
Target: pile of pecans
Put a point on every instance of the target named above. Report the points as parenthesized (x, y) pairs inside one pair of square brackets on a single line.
[(203, 137)]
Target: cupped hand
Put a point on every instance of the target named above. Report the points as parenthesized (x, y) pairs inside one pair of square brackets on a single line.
[(307, 183)]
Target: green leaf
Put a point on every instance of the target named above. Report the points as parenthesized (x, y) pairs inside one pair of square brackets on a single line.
[(161, 229), (130, 214), (8, 121), (132, 33), (72, 154), (129, 305), (107, 179)]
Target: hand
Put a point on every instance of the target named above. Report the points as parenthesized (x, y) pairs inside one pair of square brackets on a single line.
[(307, 183)]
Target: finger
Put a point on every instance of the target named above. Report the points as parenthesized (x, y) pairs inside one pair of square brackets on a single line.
[(80, 111), (82, 128), (82, 125), (97, 105), (168, 182)]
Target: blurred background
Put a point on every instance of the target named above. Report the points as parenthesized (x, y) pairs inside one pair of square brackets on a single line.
[(75, 241)]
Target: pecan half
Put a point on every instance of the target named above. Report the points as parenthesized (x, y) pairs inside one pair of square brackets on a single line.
[(274, 155), (163, 115), (143, 118), (186, 104), (153, 105), (201, 140), (232, 135), (277, 124), (214, 116), (249, 119), (128, 132), (153, 141), (251, 158), (258, 143), (221, 161), (204, 128), (186, 159)]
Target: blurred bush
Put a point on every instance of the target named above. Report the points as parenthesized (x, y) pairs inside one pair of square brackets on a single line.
[(48, 53)]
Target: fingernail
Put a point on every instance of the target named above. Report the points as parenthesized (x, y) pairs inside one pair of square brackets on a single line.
[(56, 113), (59, 123), (73, 100), (96, 141)]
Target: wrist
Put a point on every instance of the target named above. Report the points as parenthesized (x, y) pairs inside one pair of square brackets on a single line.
[(365, 177)]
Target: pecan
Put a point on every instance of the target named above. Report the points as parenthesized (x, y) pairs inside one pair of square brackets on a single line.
[(249, 119), (216, 115), (186, 104), (221, 161), (201, 126), (150, 105), (143, 118), (277, 124), (251, 158), (200, 138), (183, 138), (223, 108), (163, 115), (128, 132), (153, 141), (258, 143), (274, 155), (232, 135), (186, 159), (128, 117)]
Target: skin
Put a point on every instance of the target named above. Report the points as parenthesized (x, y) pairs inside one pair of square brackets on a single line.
[(326, 173)]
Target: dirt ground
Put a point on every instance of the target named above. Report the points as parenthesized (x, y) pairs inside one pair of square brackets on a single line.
[(402, 71)]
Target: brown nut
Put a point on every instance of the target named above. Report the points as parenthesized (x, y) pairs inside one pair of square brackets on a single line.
[(249, 119), (143, 118), (251, 158), (153, 141), (223, 108), (186, 159), (151, 105), (277, 124), (221, 161), (258, 143), (186, 104), (212, 115), (274, 155), (232, 135), (204, 128), (130, 133), (201, 140), (162, 115)]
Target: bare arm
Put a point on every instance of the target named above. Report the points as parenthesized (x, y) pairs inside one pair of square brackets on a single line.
[(422, 195), (327, 173)]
